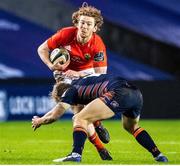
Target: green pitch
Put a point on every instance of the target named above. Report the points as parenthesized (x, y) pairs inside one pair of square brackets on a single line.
[(20, 145)]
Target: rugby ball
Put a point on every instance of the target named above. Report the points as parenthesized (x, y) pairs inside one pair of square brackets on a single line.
[(59, 55)]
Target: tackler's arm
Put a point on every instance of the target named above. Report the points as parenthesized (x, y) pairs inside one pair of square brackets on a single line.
[(50, 116)]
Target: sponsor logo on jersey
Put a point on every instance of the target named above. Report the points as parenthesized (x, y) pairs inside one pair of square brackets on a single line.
[(114, 104), (87, 56), (99, 57)]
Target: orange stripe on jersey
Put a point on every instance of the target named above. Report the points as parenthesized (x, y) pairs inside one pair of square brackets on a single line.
[(109, 95), (137, 132)]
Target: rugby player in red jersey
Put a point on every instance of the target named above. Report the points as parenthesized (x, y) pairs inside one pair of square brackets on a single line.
[(88, 56)]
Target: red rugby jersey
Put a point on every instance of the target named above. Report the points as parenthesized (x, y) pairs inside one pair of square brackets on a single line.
[(89, 55)]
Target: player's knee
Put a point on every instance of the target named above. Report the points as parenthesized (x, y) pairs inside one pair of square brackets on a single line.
[(75, 120), (78, 121), (131, 127), (76, 117)]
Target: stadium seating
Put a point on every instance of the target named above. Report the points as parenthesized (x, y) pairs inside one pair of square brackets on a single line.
[(19, 40), (157, 19)]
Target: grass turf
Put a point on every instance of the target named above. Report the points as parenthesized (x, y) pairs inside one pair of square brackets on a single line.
[(20, 145)]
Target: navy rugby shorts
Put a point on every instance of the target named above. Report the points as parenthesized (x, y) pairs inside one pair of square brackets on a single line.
[(123, 100)]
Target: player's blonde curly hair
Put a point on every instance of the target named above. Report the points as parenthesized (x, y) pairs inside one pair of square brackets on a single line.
[(58, 89), (90, 11)]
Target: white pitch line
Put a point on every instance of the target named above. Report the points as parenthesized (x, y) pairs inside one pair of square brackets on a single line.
[(159, 142), (172, 152), (46, 141), (169, 142)]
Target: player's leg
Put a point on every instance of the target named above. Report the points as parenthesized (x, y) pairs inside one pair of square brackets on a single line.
[(142, 137), (95, 140), (88, 115), (102, 132), (100, 129), (94, 137)]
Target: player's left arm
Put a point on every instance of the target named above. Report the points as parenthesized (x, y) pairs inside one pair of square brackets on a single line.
[(100, 58), (102, 70), (50, 116)]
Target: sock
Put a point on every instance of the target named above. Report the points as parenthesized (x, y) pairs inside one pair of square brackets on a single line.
[(79, 138), (97, 123), (146, 141), (94, 139)]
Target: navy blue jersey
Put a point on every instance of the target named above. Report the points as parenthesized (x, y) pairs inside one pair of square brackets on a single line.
[(112, 90), (85, 90)]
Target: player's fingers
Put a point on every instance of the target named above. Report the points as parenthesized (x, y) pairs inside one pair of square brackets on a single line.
[(34, 127), (33, 121), (58, 66), (69, 73)]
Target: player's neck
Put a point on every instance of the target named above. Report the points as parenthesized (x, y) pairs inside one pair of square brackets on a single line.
[(83, 40)]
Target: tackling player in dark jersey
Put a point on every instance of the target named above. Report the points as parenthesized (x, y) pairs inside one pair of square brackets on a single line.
[(104, 96)]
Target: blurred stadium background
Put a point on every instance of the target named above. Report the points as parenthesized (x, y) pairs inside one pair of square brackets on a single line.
[(143, 44), (142, 39)]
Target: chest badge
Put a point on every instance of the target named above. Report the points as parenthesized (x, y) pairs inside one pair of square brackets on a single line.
[(87, 56)]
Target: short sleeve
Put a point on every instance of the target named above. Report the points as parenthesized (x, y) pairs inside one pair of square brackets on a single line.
[(100, 56), (63, 37), (55, 40)]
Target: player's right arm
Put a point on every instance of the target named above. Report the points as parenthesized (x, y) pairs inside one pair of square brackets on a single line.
[(50, 116), (43, 52)]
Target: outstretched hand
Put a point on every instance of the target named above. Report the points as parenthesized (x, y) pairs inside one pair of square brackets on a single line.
[(36, 122)]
